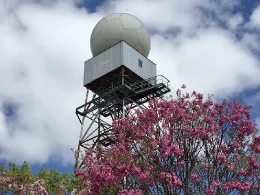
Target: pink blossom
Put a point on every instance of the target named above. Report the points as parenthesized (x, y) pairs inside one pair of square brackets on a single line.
[(181, 163), (253, 162), (221, 157), (216, 183), (210, 191), (183, 86), (130, 192), (178, 93), (210, 137), (195, 178), (144, 176)]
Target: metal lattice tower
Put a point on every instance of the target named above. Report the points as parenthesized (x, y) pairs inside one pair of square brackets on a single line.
[(111, 103), (117, 76)]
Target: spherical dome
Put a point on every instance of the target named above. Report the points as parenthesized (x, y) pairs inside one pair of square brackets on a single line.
[(120, 27)]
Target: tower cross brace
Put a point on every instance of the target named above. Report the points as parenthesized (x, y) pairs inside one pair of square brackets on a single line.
[(110, 102)]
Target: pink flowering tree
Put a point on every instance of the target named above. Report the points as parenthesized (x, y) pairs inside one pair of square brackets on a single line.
[(186, 145)]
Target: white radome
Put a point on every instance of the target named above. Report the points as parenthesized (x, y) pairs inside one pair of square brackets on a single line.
[(120, 27)]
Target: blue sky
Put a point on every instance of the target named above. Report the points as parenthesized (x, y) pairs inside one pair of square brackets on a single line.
[(91, 5), (212, 47)]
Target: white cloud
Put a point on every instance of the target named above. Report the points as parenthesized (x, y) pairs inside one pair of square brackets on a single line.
[(252, 41), (165, 15), (251, 38), (255, 17), (211, 62), (44, 47), (41, 70), (235, 20), (176, 14)]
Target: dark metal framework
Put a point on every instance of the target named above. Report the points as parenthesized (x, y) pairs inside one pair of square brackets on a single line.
[(110, 101)]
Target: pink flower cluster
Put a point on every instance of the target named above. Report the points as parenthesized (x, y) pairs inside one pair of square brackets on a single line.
[(241, 186), (130, 192), (253, 162), (256, 145), (99, 174), (174, 149), (210, 191), (171, 178), (195, 178), (36, 187), (154, 144), (221, 157), (216, 183)]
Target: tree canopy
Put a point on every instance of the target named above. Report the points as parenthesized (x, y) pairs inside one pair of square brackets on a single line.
[(187, 145), (19, 179)]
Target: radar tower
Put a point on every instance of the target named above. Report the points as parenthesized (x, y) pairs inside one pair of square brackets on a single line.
[(118, 75)]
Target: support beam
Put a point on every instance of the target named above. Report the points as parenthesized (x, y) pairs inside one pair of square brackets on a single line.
[(111, 104)]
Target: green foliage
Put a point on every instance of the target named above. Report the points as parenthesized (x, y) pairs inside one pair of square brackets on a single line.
[(21, 174), (54, 180)]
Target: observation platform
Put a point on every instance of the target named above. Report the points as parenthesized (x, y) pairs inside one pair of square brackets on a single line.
[(109, 100)]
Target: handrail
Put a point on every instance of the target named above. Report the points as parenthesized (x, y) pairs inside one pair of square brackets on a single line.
[(158, 80), (137, 87), (138, 84)]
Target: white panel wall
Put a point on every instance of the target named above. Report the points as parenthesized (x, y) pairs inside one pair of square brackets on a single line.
[(119, 54), (130, 60)]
